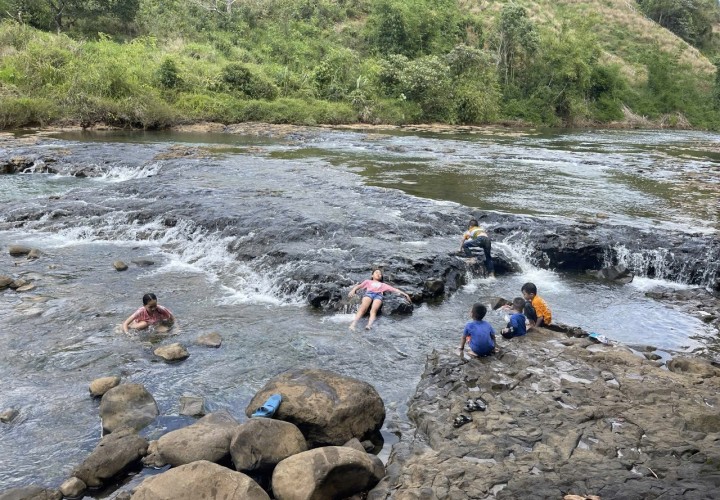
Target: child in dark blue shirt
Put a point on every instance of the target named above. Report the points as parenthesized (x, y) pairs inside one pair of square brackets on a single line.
[(516, 325), (478, 333)]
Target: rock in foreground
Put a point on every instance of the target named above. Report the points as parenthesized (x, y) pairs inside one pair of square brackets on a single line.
[(199, 481), (127, 405), (564, 416)]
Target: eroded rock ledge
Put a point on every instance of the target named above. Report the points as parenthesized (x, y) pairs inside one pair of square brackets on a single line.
[(564, 416)]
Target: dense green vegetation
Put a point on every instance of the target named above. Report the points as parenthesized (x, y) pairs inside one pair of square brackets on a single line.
[(152, 63)]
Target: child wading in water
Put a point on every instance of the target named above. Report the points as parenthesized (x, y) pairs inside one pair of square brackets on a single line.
[(478, 333), (149, 314), (374, 289)]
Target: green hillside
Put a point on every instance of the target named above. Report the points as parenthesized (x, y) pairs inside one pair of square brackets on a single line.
[(153, 64)]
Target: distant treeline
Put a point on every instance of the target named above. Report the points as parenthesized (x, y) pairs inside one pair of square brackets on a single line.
[(155, 63)]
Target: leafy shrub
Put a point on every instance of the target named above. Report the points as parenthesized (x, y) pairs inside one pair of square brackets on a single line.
[(169, 74), (23, 111), (426, 81), (255, 86), (474, 105)]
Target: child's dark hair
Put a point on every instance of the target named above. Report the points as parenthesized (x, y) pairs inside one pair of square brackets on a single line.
[(148, 297), (529, 288), (473, 222), (518, 303), (478, 311)]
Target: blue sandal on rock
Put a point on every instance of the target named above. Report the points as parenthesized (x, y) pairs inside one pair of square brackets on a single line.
[(269, 408)]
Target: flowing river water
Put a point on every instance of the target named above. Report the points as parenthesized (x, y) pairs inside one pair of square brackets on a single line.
[(57, 338)]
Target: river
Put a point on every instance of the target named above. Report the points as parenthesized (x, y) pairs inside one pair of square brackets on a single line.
[(63, 334)]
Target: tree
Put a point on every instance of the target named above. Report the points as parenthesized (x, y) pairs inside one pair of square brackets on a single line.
[(691, 20), (516, 38)]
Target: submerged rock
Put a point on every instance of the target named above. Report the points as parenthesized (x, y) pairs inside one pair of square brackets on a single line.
[(192, 406), (19, 250), (618, 273), (209, 340), (7, 416), (31, 493), (328, 408), (199, 480), (120, 265)]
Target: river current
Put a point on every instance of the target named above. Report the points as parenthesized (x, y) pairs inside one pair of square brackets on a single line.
[(63, 334)]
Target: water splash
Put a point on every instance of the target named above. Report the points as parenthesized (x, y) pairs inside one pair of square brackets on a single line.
[(120, 173)]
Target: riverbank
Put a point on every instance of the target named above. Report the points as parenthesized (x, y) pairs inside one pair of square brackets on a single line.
[(564, 416)]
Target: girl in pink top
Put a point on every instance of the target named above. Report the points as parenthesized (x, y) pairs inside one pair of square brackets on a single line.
[(372, 300), (149, 314)]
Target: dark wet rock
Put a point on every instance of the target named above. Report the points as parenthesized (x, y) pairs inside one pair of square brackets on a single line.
[(209, 340), (114, 454), (120, 265), (496, 302), (73, 487), (199, 480), (7, 416), (329, 472), (618, 273), (192, 406), (572, 417), (143, 262), (172, 352), (127, 405), (100, 386), (31, 493), (434, 287), (19, 250), (652, 356), (261, 443), (328, 408), (207, 439)]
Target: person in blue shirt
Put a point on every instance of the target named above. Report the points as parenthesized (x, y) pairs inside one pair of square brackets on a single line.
[(478, 333), (516, 326)]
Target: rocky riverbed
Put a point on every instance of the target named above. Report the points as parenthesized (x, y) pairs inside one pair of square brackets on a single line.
[(565, 416)]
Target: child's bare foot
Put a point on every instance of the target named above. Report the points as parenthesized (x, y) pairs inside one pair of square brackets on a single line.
[(352, 326), (368, 327)]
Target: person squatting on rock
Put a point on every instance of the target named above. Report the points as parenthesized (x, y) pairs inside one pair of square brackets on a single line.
[(478, 333), (516, 324), (539, 313), (149, 314), (476, 236), (374, 289)]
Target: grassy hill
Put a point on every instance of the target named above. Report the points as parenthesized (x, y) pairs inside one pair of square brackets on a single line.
[(549, 62)]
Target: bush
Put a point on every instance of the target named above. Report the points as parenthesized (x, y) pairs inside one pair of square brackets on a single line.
[(427, 82), (168, 74), (23, 111), (474, 105), (239, 77)]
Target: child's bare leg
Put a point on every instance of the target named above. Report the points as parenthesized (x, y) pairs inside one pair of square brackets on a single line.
[(139, 325), (364, 306), (373, 312)]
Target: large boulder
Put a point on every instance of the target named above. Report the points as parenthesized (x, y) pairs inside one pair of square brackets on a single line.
[(199, 481), (330, 472), (328, 408), (261, 443), (695, 366), (127, 405), (114, 453), (207, 439)]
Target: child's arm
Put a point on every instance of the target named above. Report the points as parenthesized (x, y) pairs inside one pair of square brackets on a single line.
[(127, 322), (354, 289)]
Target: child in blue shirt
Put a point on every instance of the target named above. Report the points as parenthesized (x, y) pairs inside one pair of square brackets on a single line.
[(516, 326), (478, 333)]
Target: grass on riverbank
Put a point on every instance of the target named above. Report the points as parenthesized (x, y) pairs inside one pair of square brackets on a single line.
[(347, 66)]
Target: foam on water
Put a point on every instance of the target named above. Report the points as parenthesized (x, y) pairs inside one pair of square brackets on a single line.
[(121, 173)]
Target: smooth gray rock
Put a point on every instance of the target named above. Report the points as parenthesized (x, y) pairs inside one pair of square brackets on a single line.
[(172, 352), (18, 250), (31, 493), (120, 265), (209, 340), (207, 439), (8, 415), (73, 487), (192, 406), (100, 386)]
